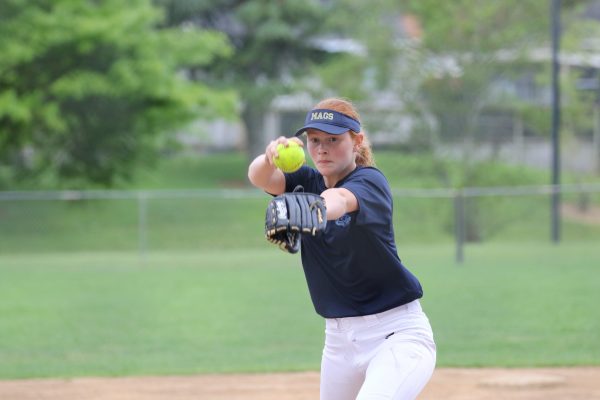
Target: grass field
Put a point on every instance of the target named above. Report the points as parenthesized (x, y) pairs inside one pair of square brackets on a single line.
[(247, 310), (209, 294)]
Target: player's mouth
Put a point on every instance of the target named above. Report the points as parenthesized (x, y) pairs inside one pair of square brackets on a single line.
[(324, 162)]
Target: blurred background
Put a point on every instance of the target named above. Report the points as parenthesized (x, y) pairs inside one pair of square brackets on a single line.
[(181, 94), (126, 129)]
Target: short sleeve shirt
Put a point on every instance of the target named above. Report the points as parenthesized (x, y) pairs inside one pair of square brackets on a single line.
[(353, 268)]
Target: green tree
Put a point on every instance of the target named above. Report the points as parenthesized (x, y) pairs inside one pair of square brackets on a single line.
[(368, 66), (468, 45), (88, 89), (274, 44)]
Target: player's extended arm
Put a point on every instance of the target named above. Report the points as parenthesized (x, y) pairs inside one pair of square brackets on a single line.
[(339, 201)]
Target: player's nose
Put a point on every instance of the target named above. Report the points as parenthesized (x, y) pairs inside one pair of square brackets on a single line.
[(321, 149)]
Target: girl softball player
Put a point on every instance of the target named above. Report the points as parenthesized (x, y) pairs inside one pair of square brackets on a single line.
[(378, 341)]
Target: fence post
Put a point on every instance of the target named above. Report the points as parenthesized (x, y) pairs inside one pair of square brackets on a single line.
[(596, 139), (142, 224), (459, 225)]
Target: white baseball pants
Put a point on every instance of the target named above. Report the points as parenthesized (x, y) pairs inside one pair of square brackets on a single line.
[(390, 355)]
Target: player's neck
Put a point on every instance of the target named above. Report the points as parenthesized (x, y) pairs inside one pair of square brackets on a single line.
[(333, 179)]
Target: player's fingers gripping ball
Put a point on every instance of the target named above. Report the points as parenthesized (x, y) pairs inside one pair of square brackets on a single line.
[(291, 158)]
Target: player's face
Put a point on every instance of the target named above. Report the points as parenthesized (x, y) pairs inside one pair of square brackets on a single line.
[(333, 155)]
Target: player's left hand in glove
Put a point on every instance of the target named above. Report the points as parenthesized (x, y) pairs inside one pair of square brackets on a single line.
[(291, 215)]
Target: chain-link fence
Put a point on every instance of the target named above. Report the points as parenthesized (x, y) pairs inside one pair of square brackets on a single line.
[(201, 220)]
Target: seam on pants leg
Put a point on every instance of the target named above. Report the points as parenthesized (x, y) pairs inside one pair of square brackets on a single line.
[(417, 362), (405, 363)]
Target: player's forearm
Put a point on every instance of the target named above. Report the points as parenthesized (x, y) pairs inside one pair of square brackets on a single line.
[(260, 171), (338, 202), (264, 175)]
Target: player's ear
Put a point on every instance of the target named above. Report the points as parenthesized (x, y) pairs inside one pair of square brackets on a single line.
[(358, 139)]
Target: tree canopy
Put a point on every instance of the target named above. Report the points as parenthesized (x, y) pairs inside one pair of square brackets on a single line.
[(88, 89), (274, 44)]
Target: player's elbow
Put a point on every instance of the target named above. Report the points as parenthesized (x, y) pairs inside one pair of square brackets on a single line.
[(272, 182), (255, 177), (251, 176)]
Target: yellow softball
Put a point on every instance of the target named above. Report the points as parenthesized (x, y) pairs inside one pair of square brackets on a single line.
[(290, 158)]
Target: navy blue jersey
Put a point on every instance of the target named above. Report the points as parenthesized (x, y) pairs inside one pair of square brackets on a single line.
[(353, 268)]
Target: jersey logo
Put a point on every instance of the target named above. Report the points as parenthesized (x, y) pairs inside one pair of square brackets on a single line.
[(343, 221)]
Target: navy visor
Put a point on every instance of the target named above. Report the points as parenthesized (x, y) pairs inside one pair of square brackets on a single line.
[(329, 121)]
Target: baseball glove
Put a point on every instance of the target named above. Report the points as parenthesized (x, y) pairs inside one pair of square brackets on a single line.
[(291, 215)]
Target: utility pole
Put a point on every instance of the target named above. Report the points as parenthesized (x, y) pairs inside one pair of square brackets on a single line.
[(555, 34)]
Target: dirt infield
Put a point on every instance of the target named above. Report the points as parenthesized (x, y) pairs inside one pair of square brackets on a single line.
[(447, 384)]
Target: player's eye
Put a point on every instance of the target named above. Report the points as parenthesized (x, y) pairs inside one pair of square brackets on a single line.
[(327, 140)]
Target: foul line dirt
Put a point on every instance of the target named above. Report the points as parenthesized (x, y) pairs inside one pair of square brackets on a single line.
[(447, 383)]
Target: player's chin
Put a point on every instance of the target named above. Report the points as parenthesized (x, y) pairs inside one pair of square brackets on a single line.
[(325, 168), (329, 172)]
